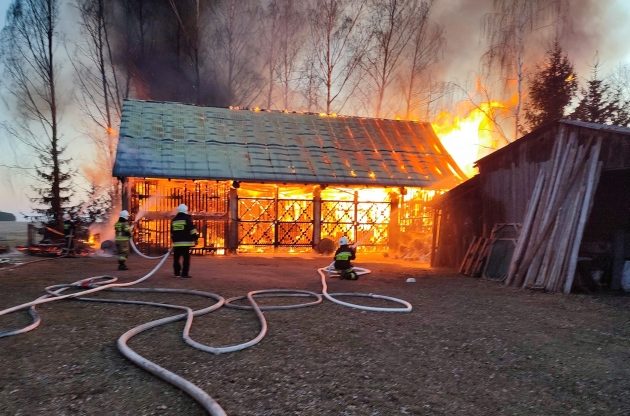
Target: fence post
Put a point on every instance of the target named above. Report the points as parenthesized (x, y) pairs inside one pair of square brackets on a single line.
[(232, 241)]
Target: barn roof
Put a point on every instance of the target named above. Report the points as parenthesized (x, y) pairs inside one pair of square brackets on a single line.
[(173, 140), (615, 154)]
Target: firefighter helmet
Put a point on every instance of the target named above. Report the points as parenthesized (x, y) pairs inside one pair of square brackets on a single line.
[(124, 214), (343, 241), (182, 208), (66, 217)]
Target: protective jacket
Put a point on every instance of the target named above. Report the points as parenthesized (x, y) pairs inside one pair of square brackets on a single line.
[(123, 230), (183, 231), (343, 255), (68, 228)]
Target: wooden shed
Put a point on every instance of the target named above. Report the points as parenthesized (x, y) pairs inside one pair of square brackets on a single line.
[(563, 190), (258, 180)]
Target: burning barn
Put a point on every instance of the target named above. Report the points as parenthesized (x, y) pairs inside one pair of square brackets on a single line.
[(258, 180), (548, 211)]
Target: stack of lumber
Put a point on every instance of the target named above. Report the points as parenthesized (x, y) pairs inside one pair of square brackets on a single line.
[(545, 256), (473, 261), (483, 253)]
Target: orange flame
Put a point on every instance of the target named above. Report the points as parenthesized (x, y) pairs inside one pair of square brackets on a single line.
[(468, 138)]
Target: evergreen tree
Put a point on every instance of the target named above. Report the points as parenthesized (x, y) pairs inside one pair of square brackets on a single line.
[(98, 206), (621, 113), (551, 89), (600, 103), (55, 191)]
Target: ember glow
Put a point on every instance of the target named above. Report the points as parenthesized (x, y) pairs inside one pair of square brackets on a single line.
[(468, 138), (272, 217)]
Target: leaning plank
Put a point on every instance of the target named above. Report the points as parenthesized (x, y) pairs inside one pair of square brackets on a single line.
[(525, 231), (567, 232), (543, 228), (479, 257), (593, 178), (468, 255)]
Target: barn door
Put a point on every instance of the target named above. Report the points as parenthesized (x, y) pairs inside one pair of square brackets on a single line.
[(275, 222), (363, 222)]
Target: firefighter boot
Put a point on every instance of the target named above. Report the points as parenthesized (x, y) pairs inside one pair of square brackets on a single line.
[(122, 265)]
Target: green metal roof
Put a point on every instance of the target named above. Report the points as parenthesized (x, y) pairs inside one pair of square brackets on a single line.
[(173, 140)]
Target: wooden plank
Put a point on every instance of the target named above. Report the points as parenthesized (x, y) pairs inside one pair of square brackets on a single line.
[(468, 255), (593, 179), (481, 257), (525, 231)]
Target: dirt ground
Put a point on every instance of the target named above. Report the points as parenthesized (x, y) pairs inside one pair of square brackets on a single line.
[(470, 346)]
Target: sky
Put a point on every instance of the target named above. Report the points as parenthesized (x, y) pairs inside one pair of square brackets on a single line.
[(599, 26)]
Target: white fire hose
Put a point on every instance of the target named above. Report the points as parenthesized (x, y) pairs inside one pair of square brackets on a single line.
[(100, 283)]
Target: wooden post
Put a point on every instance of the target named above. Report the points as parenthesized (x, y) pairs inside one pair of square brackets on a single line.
[(355, 222), (437, 222), (276, 222), (317, 216), (619, 243), (393, 228), (124, 195), (232, 240)]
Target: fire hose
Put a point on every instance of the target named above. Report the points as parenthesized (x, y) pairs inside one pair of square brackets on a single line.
[(100, 283)]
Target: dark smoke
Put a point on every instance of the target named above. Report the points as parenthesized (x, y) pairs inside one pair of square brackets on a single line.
[(151, 46)]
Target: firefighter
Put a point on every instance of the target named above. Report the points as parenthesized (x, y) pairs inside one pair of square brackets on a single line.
[(343, 255), (68, 234), (184, 236), (123, 235)]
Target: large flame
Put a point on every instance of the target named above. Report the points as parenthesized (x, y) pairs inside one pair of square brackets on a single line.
[(471, 137), (365, 222)]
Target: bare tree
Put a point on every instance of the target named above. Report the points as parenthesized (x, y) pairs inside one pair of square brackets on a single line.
[(494, 112), (291, 41), (282, 40), (392, 24), (506, 30), (620, 79), (100, 94), (191, 29), (270, 33), (425, 48), (310, 84), (338, 45), (29, 43), (235, 24)]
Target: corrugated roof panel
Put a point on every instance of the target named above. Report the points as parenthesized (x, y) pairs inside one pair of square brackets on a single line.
[(175, 140)]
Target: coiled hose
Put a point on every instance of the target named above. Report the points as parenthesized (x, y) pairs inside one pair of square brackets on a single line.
[(99, 283)]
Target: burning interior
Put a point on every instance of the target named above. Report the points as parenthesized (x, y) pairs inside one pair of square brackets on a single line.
[(262, 217)]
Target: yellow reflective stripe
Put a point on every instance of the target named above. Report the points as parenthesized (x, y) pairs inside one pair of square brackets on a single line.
[(183, 244), (344, 255), (179, 225)]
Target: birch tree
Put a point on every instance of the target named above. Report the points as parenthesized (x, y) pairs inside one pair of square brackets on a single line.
[(507, 29), (30, 40), (392, 24), (426, 45), (100, 93), (338, 46), (282, 42)]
